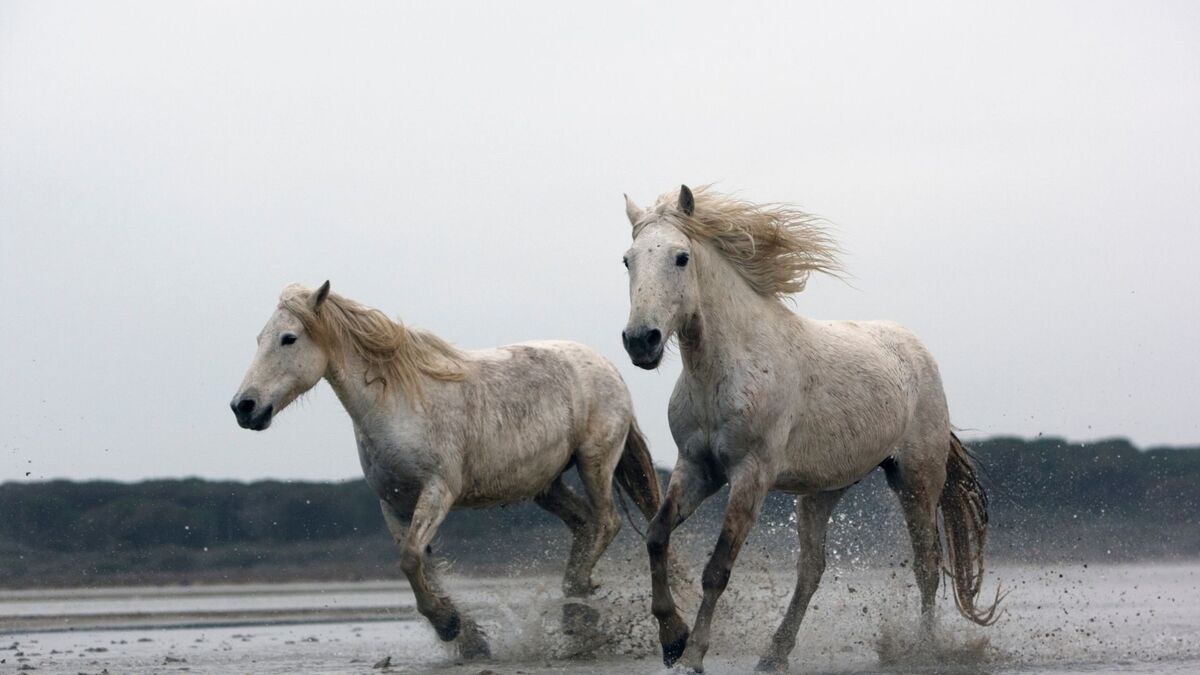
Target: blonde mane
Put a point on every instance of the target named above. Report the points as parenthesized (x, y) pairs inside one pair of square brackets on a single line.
[(774, 247), (394, 355)]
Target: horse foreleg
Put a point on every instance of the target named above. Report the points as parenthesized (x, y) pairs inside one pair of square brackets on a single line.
[(450, 624), (747, 490), (689, 486), (812, 522)]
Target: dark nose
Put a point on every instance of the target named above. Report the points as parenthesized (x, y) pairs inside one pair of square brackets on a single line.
[(643, 344), (243, 408)]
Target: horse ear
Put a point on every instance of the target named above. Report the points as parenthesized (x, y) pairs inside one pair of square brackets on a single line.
[(632, 211), (687, 201), (318, 297)]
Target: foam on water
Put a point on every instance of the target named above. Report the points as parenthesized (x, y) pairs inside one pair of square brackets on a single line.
[(865, 618), (1070, 618)]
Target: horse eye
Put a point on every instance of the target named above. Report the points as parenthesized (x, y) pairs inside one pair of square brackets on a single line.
[(681, 260), (287, 339)]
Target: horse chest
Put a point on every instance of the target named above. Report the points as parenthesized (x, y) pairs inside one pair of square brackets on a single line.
[(395, 473), (720, 424)]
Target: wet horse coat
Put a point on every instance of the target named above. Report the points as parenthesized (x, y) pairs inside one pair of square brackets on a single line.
[(439, 428), (769, 400)]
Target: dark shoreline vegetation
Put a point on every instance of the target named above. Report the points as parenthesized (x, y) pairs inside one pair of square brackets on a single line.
[(1051, 501)]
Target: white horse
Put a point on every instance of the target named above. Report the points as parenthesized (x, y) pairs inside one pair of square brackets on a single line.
[(439, 428), (769, 400)]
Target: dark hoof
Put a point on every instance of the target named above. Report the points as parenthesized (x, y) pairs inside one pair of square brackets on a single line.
[(472, 644), (673, 650), (449, 630), (578, 618), (475, 650), (770, 664)]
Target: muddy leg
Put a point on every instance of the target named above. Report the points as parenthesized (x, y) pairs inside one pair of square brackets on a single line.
[(432, 602), (575, 512), (747, 490), (919, 492), (597, 477), (690, 485), (812, 521)]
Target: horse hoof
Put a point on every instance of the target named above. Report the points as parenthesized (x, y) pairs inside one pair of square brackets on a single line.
[(475, 650), (771, 664), (578, 618), (674, 649), (472, 646), (449, 630)]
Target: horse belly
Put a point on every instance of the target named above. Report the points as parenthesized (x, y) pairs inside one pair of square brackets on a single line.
[(511, 469)]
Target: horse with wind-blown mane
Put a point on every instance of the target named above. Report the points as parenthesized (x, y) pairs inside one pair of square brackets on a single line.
[(769, 400), (441, 428)]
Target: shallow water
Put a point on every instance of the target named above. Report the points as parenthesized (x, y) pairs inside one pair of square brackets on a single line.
[(1073, 618)]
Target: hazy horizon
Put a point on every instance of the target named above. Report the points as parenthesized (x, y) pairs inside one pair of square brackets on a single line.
[(1020, 185)]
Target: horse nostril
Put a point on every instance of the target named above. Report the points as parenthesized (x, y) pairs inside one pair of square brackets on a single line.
[(245, 406), (653, 338), (625, 339)]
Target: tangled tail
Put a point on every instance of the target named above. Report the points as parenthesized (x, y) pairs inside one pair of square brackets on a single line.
[(637, 477), (964, 524)]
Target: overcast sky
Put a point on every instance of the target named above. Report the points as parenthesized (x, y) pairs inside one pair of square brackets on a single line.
[(1019, 183)]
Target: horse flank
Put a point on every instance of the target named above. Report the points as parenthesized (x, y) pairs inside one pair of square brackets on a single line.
[(395, 355), (774, 247)]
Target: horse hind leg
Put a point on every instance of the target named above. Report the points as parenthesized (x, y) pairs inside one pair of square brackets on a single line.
[(812, 523), (918, 485), (563, 502), (596, 472)]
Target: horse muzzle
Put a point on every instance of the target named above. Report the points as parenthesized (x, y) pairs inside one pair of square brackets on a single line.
[(250, 415), (644, 346)]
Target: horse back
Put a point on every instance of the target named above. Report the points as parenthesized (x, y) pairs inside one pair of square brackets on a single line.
[(526, 408)]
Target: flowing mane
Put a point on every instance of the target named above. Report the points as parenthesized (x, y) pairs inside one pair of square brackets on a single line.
[(394, 354), (773, 246)]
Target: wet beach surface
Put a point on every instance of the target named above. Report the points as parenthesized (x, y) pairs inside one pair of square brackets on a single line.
[(1073, 618)]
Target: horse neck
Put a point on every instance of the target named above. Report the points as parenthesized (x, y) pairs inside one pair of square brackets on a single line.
[(730, 321), (347, 375)]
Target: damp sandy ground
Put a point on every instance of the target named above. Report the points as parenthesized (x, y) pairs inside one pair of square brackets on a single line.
[(1077, 619)]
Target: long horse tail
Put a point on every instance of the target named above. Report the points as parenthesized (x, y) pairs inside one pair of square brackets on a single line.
[(965, 525), (636, 474)]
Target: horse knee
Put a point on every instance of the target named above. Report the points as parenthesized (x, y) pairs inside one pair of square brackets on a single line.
[(410, 561)]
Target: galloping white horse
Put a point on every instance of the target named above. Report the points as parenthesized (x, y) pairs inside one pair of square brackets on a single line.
[(769, 400), (439, 428)]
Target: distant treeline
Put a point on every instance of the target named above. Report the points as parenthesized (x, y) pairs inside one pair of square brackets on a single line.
[(1049, 499)]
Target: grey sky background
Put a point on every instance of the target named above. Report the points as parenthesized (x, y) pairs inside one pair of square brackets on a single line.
[(1019, 183)]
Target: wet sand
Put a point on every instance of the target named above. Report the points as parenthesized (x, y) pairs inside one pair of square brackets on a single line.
[(1121, 618)]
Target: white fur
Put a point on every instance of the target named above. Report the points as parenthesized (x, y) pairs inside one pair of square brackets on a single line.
[(502, 430), (771, 400)]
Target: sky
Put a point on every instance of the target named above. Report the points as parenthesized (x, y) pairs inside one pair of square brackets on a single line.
[(1018, 183)]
